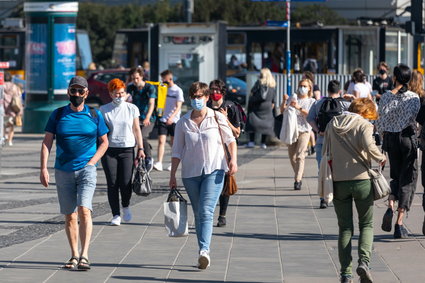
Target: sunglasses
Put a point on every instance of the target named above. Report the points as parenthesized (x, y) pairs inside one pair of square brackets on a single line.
[(75, 90)]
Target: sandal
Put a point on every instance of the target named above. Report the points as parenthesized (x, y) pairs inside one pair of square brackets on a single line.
[(84, 264), (71, 263)]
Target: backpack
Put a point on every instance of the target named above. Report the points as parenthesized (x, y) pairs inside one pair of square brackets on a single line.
[(93, 114), (330, 108), (242, 115)]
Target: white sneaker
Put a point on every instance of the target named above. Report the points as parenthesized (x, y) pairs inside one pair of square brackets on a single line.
[(204, 260), (263, 146), (169, 167), (10, 143), (250, 145), (127, 214), (158, 166), (116, 221)]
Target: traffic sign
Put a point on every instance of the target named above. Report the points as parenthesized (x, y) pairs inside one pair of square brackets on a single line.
[(277, 24)]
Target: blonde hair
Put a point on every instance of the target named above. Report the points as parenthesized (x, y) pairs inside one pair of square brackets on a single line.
[(416, 83), (266, 78), (310, 85), (364, 107)]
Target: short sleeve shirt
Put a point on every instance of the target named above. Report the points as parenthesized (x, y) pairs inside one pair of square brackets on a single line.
[(381, 85), (140, 98), (119, 119), (76, 137), (174, 95)]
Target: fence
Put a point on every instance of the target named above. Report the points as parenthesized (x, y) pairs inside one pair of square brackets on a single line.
[(321, 80)]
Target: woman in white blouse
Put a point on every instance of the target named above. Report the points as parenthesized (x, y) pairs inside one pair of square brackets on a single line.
[(296, 151), (198, 146), (122, 119)]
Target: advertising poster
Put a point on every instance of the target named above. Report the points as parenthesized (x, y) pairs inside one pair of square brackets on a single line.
[(64, 55), (36, 70)]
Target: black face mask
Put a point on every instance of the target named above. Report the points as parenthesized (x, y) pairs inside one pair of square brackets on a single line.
[(382, 71), (76, 100)]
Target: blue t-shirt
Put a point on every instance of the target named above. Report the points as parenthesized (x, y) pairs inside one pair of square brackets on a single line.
[(141, 99), (76, 137)]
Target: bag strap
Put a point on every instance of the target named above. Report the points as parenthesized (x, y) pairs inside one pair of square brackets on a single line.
[(355, 153), (222, 141)]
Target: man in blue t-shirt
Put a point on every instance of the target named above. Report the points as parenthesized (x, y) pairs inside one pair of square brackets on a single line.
[(143, 96), (81, 141)]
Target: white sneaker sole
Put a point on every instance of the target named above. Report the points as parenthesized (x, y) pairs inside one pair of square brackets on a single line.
[(203, 262), (114, 224)]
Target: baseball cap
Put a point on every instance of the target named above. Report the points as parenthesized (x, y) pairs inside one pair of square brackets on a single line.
[(77, 80)]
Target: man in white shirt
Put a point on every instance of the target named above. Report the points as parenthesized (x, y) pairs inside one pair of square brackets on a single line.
[(167, 122)]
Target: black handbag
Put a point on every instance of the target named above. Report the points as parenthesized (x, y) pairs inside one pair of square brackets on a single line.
[(142, 182)]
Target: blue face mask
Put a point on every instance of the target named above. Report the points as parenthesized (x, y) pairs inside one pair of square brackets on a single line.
[(197, 103)]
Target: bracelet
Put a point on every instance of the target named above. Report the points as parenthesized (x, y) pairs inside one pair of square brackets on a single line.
[(141, 148)]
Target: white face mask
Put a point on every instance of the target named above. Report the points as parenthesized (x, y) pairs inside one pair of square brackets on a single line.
[(303, 90), (118, 100)]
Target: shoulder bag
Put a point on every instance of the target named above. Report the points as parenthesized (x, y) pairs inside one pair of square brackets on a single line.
[(230, 187), (325, 187), (142, 182), (380, 186)]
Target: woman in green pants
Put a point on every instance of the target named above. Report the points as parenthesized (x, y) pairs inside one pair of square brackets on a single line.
[(348, 133)]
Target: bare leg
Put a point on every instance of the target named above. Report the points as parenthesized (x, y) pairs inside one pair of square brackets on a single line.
[(86, 227), (71, 228), (400, 216), (11, 134), (161, 147)]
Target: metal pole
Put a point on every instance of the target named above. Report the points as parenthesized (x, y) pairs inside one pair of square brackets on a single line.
[(288, 49)]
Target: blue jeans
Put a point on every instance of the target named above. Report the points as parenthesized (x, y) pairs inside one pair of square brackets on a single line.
[(203, 192), (318, 149)]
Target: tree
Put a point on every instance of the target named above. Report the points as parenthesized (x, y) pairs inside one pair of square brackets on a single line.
[(311, 14)]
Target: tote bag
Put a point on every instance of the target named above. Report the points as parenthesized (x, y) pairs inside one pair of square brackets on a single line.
[(325, 187), (175, 215), (289, 130)]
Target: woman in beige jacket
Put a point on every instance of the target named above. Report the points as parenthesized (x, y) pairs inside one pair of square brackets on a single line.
[(352, 181)]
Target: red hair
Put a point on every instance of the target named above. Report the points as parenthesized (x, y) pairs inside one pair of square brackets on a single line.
[(115, 84)]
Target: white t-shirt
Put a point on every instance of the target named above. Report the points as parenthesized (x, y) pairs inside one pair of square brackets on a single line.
[(119, 120), (364, 89), (174, 94)]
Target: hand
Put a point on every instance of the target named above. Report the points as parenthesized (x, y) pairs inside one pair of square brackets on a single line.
[(140, 154), (321, 134), (173, 182), (382, 163), (233, 168), (285, 97), (44, 177), (146, 122), (223, 111), (169, 122), (295, 105)]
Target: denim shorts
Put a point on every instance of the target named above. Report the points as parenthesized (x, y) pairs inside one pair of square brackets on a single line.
[(75, 188)]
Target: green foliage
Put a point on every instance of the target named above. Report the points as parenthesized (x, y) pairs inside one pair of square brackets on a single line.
[(310, 14), (102, 22)]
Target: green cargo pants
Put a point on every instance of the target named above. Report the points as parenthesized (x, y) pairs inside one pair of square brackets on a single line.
[(344, 193)]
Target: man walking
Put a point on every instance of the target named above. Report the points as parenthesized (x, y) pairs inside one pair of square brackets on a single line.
[(143, 96), (167, 122), (81, 140)]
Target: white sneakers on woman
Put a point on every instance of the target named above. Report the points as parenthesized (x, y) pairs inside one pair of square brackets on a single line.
[(204, 259), (116, 220)]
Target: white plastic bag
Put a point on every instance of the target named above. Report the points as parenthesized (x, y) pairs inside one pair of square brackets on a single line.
[(289, 130), (175, 215)]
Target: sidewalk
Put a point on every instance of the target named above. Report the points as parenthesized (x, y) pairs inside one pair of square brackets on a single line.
[(274, 234)]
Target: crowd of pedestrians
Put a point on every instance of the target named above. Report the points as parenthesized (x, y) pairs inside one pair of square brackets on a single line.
[(343, 124)]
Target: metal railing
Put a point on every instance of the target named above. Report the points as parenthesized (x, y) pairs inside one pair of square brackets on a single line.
[(321, 80)]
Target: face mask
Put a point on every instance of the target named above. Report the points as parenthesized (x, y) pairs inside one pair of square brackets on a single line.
[(118, 100), (216, 96), (197, 103), (303, 90), (382, 71), (76, 100)]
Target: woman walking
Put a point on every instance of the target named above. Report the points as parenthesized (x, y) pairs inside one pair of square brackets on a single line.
[(296, 151), (198, 146), (122, 119), (260, 108), (398, 109), (345, 135), (231, 112)]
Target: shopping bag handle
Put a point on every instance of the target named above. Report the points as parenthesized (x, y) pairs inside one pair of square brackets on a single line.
[(174, 192)]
